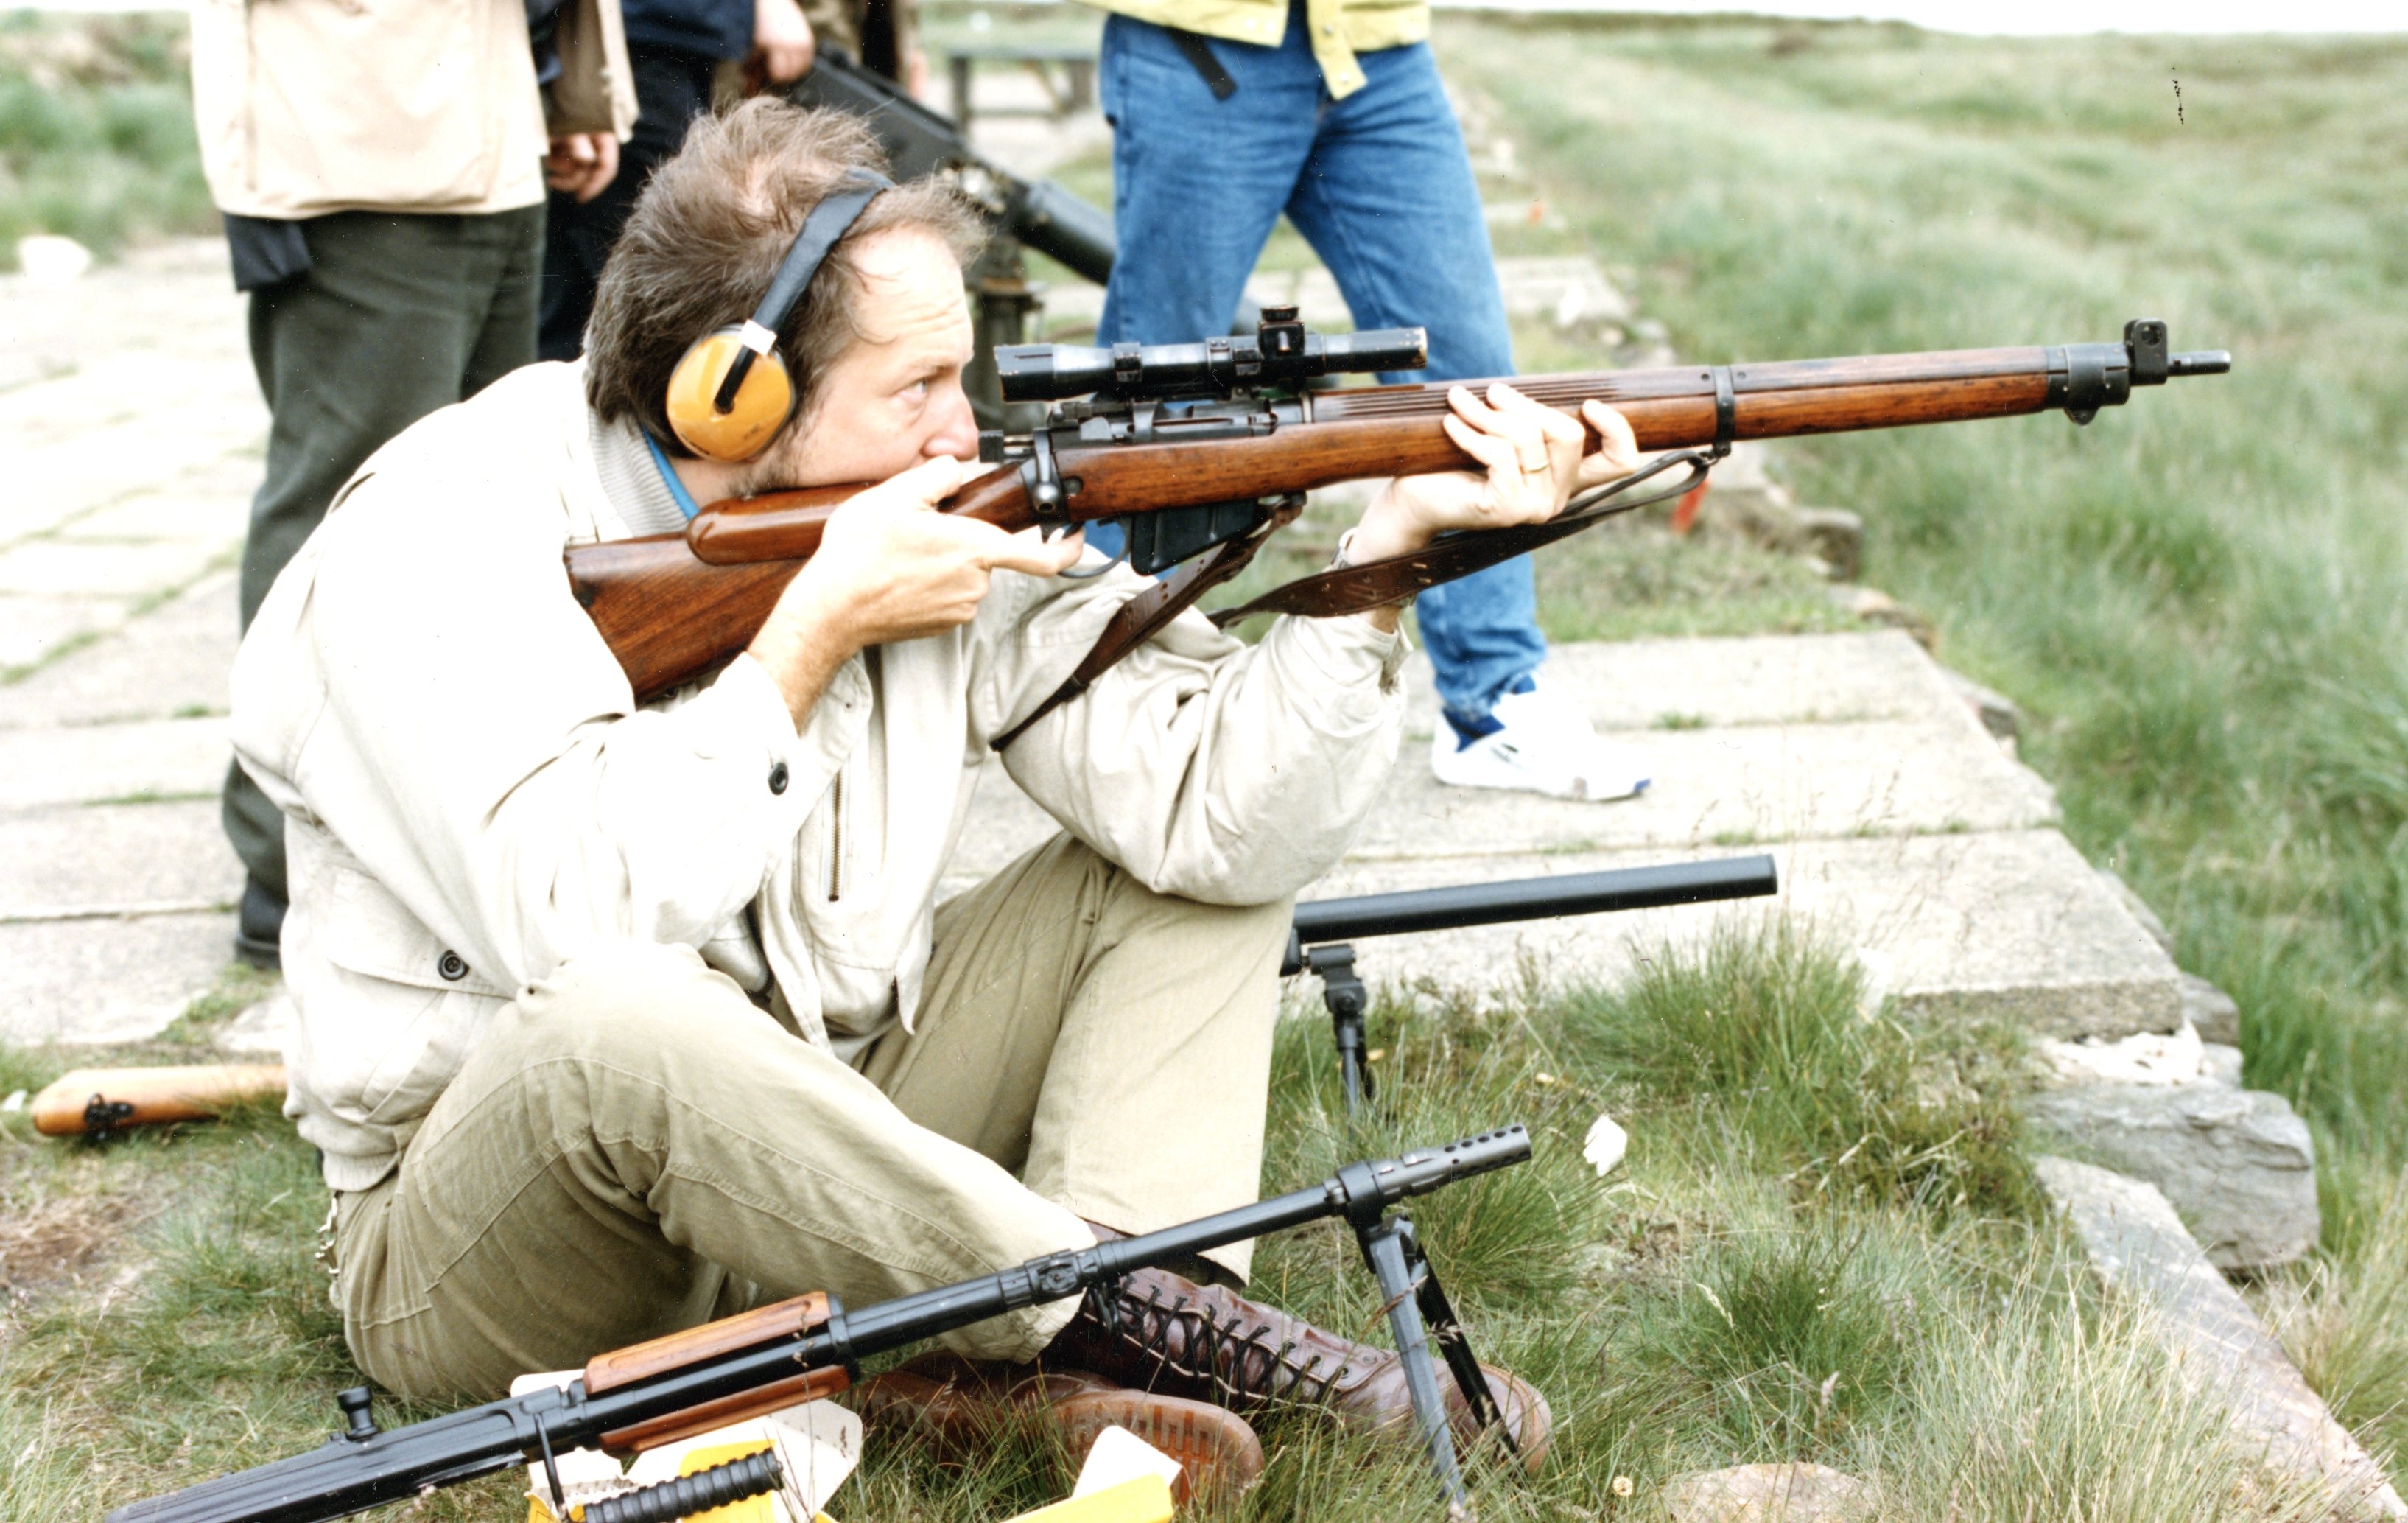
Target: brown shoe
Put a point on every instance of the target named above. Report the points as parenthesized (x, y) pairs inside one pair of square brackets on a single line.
[(958, 1404), (1167, 1334)]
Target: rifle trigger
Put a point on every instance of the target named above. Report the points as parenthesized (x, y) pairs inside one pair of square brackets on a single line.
[(551, 1469)]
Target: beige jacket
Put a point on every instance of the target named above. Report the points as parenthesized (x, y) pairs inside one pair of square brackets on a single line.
[(472, 795), (308, 107)]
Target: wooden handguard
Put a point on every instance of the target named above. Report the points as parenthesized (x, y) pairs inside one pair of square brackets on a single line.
[(811, 1385), (101, 1100), (786, 1319), (762, 1325)]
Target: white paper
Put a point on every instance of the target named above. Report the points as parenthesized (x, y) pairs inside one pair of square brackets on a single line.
[(1120, 1456), (818, 1442), (1605, 1145)]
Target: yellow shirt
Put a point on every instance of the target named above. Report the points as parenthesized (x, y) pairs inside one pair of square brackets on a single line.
[(1339, 29)]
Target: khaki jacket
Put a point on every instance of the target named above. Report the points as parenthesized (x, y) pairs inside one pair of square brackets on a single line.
[(1340, 28), (473, 797), (308, 107)]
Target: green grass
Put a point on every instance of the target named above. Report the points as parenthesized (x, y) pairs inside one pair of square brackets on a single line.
[(2198, 600), (1823, 1245), (96, 139), (1749, 1287)]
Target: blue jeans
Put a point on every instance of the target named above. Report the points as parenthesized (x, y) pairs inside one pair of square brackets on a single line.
[(1380, 185)]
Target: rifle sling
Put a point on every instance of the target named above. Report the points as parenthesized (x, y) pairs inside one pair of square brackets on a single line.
[(1349, 589), (1150, 611)]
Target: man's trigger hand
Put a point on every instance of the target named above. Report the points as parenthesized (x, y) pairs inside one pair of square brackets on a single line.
[(891, 568)]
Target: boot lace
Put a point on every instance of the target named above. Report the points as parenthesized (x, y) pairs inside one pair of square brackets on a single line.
[(1241, 1364)]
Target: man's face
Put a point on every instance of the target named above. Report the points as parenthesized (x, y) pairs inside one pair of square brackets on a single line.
[(894, 397)]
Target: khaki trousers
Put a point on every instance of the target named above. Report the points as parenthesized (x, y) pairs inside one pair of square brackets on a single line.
[(635, 1147)]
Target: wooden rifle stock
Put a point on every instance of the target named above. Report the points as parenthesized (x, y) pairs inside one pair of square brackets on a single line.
[(97, 1101), (670, 605)]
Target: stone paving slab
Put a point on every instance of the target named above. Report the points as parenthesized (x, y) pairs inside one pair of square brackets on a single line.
[(97, 763), (65, 466), (1715, 790), (174, 298), (1733, 786), (220, 519), (100, 981), (1905, 834), (57, 493), (61, 568), (171, 662), (31, 629), (1642, 684), (2005, 926), (2219, 1348), (116, 859)]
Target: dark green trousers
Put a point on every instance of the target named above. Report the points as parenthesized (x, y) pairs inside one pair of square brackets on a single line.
[(397, 315)]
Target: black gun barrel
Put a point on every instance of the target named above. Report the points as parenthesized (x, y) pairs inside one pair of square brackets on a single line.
[(1046, 216), (1049, 372), (349, 1474), (1319, 921), (1051, 219)]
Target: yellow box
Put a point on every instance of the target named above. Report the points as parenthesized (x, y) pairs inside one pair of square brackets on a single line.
[(1143, 1499)]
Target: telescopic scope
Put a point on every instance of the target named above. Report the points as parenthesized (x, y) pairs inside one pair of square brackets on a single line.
[(1281, 353)]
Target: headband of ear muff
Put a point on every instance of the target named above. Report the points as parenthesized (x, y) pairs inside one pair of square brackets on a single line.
[(731, 393)]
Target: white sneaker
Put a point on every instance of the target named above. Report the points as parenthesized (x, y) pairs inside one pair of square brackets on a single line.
[(1541, 744)]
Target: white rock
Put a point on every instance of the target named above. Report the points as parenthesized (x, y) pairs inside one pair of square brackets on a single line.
[(2217, 1013), (1605, 1145), (1796, 1492), (2145, 1058), (2237, 1163), (48, 259), (2139, 1245)]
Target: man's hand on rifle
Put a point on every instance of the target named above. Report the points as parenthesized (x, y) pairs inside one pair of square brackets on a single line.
[(891, 568), (1534, 464)]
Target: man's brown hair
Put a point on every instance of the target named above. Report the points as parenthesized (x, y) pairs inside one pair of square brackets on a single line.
[(708, 233)]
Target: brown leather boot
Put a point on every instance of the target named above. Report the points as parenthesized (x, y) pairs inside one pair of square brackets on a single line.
[(1163, 1333), (957, 1405)]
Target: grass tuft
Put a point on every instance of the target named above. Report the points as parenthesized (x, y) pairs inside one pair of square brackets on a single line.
[(1768, 1029), (97, 137)]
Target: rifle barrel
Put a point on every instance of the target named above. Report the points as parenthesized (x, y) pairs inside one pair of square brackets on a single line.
[(1319, 921), (349, 1474)]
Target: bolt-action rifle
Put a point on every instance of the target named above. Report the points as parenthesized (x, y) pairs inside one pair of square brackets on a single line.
[(725, 1372), (1207, 447)]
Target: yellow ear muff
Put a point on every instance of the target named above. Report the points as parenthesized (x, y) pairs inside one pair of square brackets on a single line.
[(761, 406)]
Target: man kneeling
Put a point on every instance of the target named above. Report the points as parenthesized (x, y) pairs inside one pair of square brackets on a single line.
[(615, 1019)]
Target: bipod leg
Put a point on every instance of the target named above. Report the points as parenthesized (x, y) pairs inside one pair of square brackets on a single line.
[(1347, 999), (1438, 1315), (1389, 1249)]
